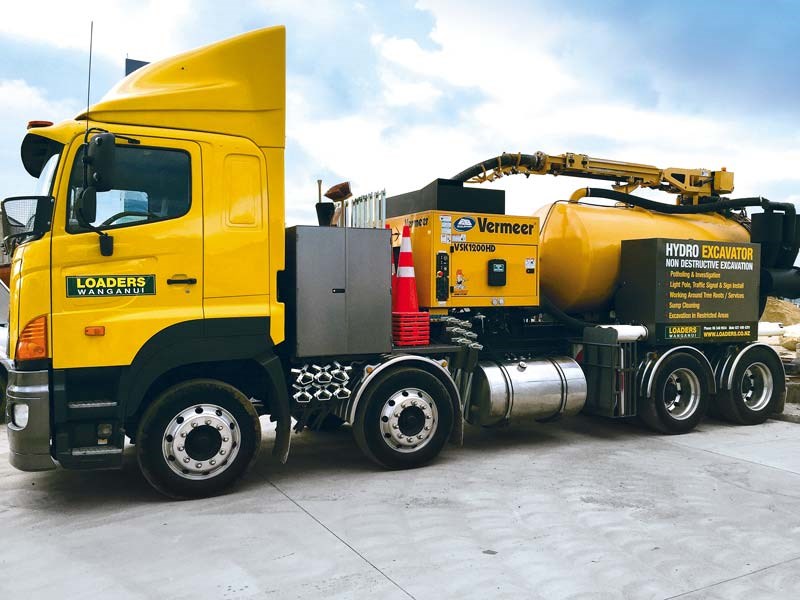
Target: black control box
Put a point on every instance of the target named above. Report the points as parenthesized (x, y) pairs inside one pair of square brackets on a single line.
[(497, 272), (442, 276)]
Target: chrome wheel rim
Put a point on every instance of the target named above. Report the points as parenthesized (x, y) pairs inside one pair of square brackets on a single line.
[(757, 386), (682, 394), (408, 420), (201, 441)]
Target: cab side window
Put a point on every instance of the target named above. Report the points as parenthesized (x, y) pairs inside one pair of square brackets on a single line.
[(150, 184)]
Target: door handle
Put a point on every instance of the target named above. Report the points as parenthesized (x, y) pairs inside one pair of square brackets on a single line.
[(186, 281)]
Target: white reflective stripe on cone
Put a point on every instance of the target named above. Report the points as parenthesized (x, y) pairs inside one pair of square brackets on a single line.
[(405, 271), (405, 244)]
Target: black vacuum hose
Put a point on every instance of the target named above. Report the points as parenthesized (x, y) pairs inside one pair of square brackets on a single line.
[(569, 322), (530, 161), (787, 208), (690, 209)]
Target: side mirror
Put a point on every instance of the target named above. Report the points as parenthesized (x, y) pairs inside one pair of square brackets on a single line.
[(86, 206), (99, 159), (25, 218)]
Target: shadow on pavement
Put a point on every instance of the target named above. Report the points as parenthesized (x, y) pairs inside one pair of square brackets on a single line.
[(313, 454)]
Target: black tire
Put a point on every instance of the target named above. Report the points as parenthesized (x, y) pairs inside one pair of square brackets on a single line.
[(680, 393), (757, 388), (376, 417), (226, 426)]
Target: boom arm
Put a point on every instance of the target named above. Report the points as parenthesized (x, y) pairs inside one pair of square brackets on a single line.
[(690, 184)]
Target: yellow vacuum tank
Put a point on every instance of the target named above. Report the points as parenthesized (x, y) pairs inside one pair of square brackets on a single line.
[(579, 248)]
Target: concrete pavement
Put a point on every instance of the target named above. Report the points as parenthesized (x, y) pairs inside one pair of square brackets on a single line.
[(586, 508)]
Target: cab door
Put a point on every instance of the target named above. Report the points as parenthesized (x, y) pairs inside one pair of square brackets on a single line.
[(104, 308)]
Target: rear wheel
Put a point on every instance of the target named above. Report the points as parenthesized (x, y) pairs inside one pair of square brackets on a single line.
[(679, 397), (756, 388), (197, 438), (404, 418)]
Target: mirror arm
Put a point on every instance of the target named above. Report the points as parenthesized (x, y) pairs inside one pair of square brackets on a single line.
[(106, 244), (106, 240)]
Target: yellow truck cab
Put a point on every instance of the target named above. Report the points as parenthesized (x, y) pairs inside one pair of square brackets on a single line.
[(156, 295), (121, 290)]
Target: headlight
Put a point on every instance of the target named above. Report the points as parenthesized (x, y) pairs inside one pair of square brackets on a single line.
[(20, 415)]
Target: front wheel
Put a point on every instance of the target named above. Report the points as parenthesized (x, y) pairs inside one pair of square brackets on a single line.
[(756, 388), (404, 418), (197, 438), (679, 397)]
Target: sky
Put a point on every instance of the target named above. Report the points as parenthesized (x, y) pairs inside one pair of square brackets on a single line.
[(390, 95)]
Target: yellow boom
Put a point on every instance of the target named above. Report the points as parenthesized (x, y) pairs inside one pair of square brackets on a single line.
[(689, 184)]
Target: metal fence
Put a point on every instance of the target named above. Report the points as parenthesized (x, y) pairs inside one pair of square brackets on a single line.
[(368, 210)]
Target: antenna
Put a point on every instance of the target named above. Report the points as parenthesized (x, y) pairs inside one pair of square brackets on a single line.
[(88, 93), (89, 82)]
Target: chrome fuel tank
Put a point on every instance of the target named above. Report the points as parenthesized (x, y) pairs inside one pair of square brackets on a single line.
[(520, 390)]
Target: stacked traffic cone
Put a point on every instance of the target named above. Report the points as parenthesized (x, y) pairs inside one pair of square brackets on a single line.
[(410, 327)]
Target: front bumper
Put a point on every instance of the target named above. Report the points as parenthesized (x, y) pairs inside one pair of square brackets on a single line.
[(29, 445)]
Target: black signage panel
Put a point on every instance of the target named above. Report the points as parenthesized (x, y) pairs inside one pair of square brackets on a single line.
[(690, 290)]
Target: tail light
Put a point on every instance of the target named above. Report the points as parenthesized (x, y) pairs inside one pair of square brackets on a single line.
[(32, 341)]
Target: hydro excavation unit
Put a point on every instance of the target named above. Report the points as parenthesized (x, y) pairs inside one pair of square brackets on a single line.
[(157, 296)]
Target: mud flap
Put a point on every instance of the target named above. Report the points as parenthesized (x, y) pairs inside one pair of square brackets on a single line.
[(464, 364), (279, 405)]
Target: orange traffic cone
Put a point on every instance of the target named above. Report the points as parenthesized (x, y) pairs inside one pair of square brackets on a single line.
[(410, 327), (405, 300)]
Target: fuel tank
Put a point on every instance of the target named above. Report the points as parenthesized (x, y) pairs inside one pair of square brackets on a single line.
[(580, 245), (525, 390)]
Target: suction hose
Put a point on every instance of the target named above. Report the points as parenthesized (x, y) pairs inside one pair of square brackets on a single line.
[(533, 162), (568, 321), (786, 244), (678, 209), (778, 276)]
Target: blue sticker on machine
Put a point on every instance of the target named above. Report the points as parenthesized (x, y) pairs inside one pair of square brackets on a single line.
[(464, 224)]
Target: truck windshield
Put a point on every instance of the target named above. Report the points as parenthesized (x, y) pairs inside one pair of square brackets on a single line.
[(44, 184)]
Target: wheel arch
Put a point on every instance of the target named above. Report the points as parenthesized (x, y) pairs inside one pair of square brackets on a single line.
[(729, 368), (435, 368), (650, 369), (230, 349), (246, 375)]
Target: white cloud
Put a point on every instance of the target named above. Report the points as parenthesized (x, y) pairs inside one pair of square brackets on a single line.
[(399, 91), (508, 79), (530, 99), (20, 103), (506, 61), (365, 149), (315, 13), (19, 100), (146, 30)]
